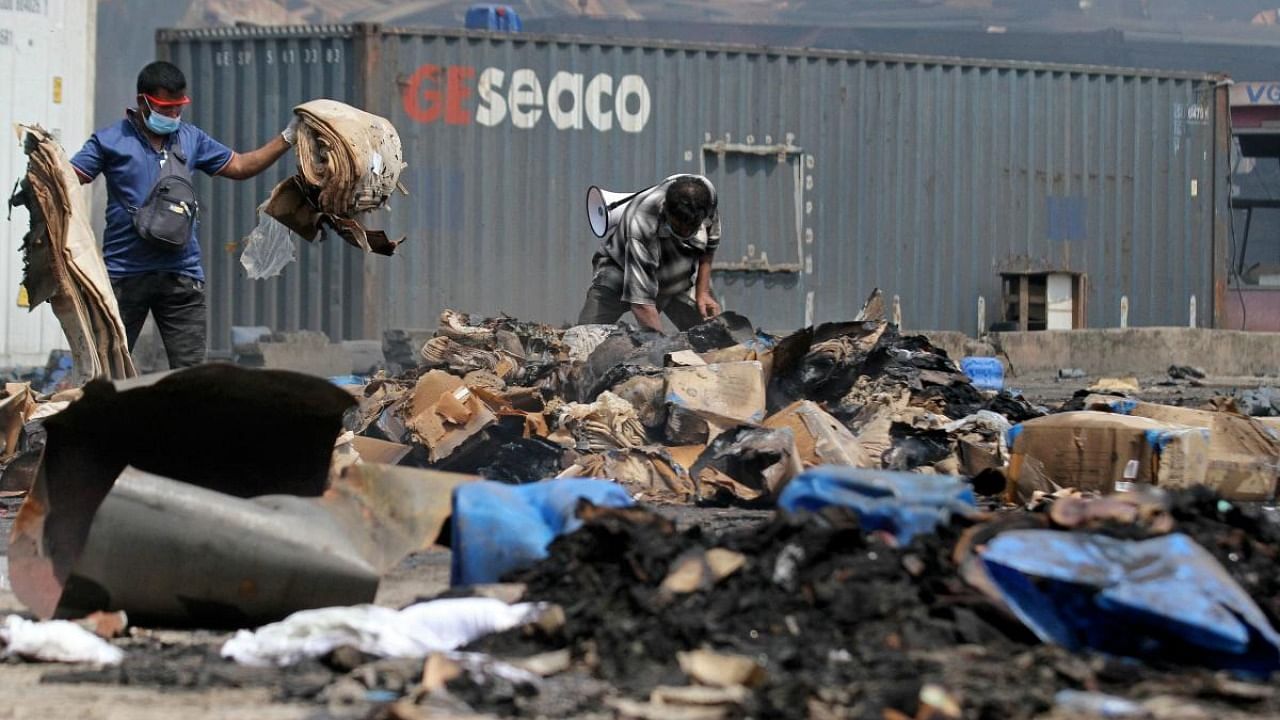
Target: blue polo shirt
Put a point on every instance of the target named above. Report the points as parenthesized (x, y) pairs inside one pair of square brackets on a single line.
[(132, 166)]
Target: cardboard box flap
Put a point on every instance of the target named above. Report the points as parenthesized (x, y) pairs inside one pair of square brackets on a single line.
[(820, 438)]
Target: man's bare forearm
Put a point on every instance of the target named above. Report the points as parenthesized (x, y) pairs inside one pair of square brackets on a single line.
[(704, 273), (246, 165), (647, 316)]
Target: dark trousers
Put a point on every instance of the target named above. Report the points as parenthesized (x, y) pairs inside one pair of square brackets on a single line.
[(604, 304), (178, 305)]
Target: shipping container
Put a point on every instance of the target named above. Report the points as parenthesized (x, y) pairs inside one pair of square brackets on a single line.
[(47, 50), (837, 172)]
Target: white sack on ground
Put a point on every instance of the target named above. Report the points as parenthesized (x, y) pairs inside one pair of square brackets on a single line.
[(56, 641), (416, 631)]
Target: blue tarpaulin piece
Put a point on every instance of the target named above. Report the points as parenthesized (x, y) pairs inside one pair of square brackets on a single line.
[(986, 373), (1165, 598), (56, 370), (904, 504), (498, 528)]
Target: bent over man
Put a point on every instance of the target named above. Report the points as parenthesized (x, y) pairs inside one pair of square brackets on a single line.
[(658, 259)]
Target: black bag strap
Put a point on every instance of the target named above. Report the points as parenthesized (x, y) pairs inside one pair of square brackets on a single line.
[(172, 150), (177, 153)]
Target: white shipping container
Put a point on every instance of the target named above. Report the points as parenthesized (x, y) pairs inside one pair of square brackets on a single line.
[(47, 50)]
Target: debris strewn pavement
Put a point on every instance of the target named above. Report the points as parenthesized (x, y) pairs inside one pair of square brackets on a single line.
[(863, 531)]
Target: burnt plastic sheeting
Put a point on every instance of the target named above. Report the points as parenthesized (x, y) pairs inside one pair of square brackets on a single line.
[(238, 431), (801, 374), (724, 330), (525, 460), (1014, 407), (624, 353), (823, 364), (172, 553), (913, 448), (757, 459)]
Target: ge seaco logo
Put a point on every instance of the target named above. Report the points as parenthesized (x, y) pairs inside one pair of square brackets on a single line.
[(458, 95)]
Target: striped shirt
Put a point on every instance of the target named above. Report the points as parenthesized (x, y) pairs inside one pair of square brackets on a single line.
[(656, 265)]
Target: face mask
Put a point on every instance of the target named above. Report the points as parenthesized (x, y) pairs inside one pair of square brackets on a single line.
[(682, 238), (162, 124)]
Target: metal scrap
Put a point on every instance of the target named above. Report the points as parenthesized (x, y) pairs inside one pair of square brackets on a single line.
[(227, 519)]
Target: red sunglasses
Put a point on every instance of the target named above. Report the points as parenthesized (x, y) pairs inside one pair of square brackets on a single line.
[(168, 108), (157, 102)]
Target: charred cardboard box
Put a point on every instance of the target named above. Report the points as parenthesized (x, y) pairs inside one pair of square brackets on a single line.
[(1243, 455), (976, 457), (705, 400), (1103, 451), (820, 438)]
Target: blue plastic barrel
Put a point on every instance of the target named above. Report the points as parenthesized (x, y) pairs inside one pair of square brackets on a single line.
[(497, 18), (986, 373)]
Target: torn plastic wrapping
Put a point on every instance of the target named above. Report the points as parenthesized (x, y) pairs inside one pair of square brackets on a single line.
[(268, 249)]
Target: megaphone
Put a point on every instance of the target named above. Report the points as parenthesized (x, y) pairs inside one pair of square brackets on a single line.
[(604, 209)]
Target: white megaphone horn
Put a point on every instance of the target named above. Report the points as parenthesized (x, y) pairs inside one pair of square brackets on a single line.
[(604, 209)]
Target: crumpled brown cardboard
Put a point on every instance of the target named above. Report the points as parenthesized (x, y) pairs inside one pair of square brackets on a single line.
[(609, 423), (16, 407), (820, 438), (649, 474), (443, 352), (350, 162), (445, 413), (64, 265)]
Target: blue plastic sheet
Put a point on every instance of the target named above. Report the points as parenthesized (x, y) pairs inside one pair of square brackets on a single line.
[(498, 528), (904, 504), (986, 373), (1165, 598)]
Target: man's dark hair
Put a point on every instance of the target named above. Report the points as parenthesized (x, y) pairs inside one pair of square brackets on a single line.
[(161, 75), (688, 201)]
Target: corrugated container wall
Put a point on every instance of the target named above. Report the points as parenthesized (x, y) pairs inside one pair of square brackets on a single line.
[(837, 173), (47, 48)]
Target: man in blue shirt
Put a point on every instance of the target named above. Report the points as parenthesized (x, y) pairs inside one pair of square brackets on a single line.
[(167, 282)]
